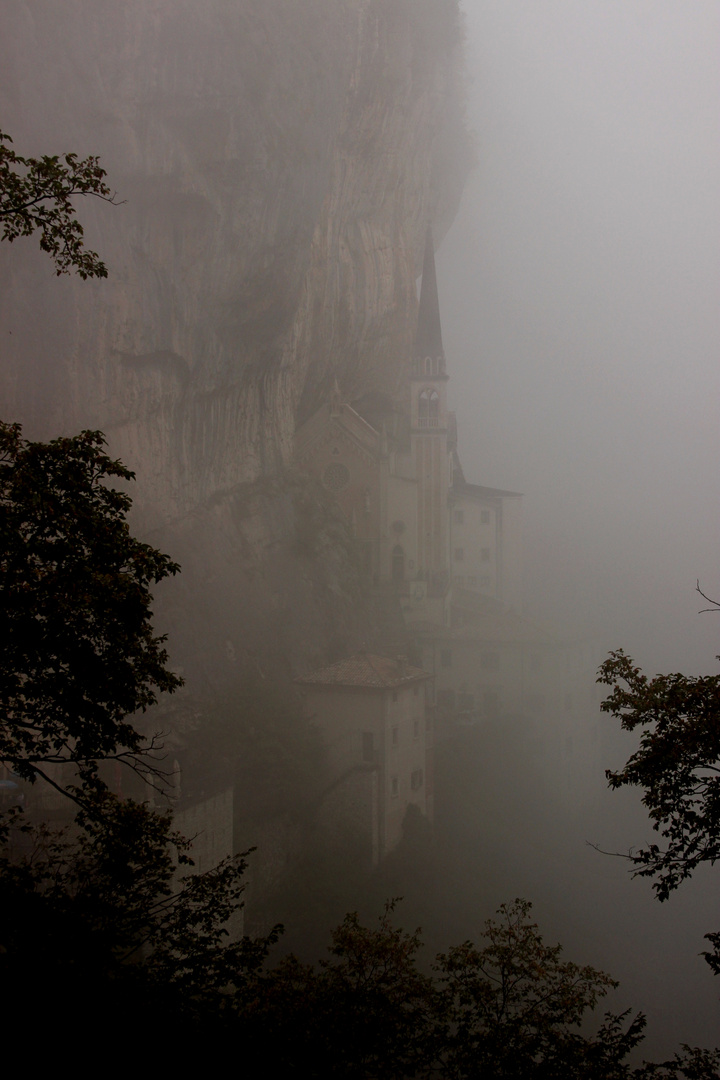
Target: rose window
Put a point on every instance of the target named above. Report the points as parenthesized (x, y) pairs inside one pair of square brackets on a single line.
[(336, 476)]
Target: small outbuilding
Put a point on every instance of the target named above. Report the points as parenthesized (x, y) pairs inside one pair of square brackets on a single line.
[(372, 715)]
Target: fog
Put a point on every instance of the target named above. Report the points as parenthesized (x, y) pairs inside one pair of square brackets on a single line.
[(579, 297), (579, 289)]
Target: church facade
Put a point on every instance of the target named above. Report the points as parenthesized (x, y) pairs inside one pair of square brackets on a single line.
[(394, 469)]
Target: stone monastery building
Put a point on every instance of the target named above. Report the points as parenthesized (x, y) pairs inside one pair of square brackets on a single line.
[(395, 471), (447, 554)]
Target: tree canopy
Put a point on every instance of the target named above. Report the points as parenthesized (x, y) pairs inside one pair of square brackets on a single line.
[(510, 1006), (515, 1006), (107, 922), (79, 653), (37, 193), (677, 765)]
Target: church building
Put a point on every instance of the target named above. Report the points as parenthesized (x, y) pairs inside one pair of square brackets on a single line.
[(447, 554), (394, 469)]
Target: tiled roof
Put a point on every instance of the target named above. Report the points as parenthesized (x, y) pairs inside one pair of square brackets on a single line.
[(365, 670)]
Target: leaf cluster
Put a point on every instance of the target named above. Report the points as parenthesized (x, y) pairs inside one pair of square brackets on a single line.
[(112, 904), (514, 1007), (79, 652), (365, 1012), (677, 765), (106, 922), (509, 1007), (37, 193)]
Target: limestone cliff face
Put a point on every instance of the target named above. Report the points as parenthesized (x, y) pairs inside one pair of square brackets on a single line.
[(279, 162)]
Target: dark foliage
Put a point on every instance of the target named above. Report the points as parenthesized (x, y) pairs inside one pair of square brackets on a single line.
[(677, 765), (366, 1012), (106, 921), (37, 193), (79, 655), (514, 1008), (510, 1007)]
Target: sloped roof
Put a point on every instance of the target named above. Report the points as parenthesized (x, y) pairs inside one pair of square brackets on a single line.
[(324, 424), (365, 670), (479, 491)]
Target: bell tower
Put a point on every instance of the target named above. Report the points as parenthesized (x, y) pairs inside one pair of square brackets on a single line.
[(429, 428)]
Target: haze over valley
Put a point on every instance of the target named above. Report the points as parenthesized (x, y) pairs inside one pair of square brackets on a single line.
[(409, 336)]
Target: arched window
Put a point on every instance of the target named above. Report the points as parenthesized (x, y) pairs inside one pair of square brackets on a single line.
[(428, 408), (398, 563)]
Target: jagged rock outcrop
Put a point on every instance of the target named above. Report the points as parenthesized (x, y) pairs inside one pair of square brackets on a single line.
[(280, 162)]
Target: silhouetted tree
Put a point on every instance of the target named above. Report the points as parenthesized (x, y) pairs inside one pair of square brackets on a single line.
[(677, 766), (509, 1007), (37, 193), (79, 654), (514, 1008)]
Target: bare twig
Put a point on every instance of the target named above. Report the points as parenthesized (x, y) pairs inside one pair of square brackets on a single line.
[(715, 603)]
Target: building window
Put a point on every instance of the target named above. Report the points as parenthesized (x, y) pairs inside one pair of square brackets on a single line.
[(416, 779), (472, 581), (428, 408), (485, 517), (459, 554), (336, 476), (485, 554), (459, 517), (445, 658), (490, 661), (395, 736), (368, 746), (394, 786)]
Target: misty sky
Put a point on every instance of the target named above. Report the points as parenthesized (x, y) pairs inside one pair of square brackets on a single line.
[(579, 290)]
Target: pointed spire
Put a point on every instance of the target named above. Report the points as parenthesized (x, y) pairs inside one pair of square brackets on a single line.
[(428, 340)]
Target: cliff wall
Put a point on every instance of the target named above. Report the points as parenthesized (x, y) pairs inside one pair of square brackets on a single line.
[(279, 162)]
